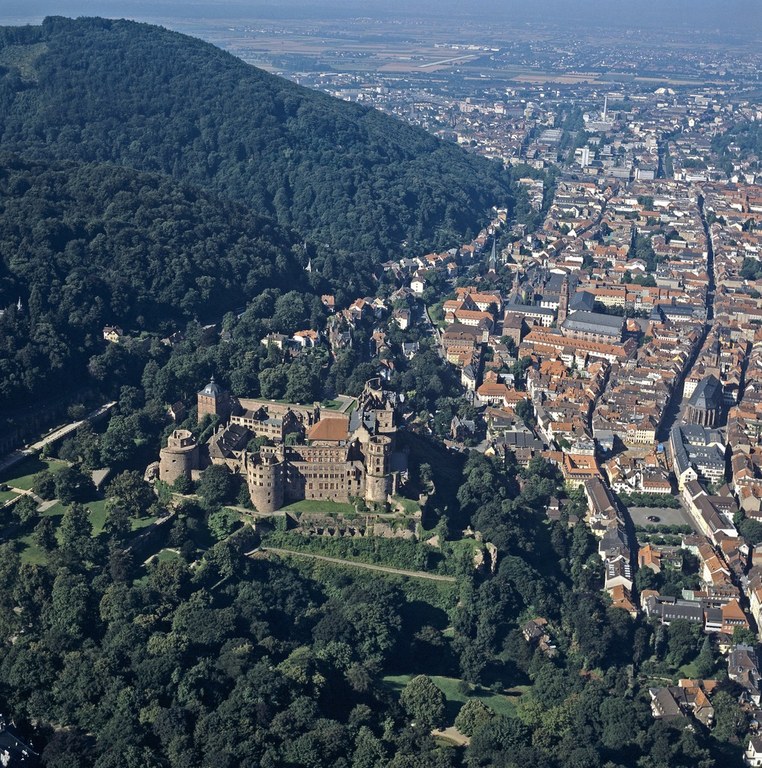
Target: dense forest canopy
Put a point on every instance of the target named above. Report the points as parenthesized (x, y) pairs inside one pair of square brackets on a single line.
[(347, 176), (83, 245)]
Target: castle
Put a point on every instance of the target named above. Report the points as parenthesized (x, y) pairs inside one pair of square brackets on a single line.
[(303, 452)]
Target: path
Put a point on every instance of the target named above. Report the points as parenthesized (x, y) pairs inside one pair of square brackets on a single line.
[(453, 735), (51, 437), (367, 566)]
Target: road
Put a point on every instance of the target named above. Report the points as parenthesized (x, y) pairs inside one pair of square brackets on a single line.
[(673, 413), (367, 566)]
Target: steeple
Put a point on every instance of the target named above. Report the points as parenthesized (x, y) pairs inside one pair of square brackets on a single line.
[(493, 255), (563, 301)]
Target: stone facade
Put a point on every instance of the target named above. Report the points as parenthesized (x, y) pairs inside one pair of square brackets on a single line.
[(332, 456), (179, 458)]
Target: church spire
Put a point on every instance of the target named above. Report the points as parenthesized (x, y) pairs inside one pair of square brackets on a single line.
[(493, 255), (563, 301)]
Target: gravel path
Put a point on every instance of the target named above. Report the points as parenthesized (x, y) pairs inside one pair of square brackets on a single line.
[(367, 566)]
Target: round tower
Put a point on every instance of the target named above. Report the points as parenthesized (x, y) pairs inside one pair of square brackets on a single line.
[(179, 458), (378, 452), (264, 476)]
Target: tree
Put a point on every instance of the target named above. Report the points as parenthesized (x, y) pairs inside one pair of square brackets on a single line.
[(743, 636), (215, 486), (76, 533), (369, 750), (473, 714), (118, 441), (88, 446), (44, 485), (751, 530), (731, 722), (222, 523), (25, 509), (45, 534), (72, 484), (705, 659), (118, 525), (183, 485), (67, 618), (683, 639), (131, 492), (424, 702)]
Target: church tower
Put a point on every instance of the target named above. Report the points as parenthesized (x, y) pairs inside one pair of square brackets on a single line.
[(563, 302)]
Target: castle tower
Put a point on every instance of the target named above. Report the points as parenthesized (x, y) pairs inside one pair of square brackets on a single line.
[(378, 453), (563, 302), (179, 458), (213, 401), (264, 476)]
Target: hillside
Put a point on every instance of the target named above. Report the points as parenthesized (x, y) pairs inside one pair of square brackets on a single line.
[(89, 244), (137, 95)]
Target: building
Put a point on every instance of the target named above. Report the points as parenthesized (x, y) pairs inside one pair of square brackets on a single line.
[(697, 453), (753, 753), (179, 458), (743, 668), (705, 406), (593, 326), (213, 401), (327, 456)]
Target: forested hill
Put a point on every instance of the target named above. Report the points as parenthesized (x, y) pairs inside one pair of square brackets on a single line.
[(141, 96), (89, 244)]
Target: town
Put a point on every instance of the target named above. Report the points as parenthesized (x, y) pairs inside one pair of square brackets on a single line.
[(587, 368)]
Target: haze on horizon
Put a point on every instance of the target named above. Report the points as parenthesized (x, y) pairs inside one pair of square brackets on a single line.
[(718, 16)]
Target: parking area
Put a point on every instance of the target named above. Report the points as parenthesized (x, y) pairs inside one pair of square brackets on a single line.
[(665, 515)]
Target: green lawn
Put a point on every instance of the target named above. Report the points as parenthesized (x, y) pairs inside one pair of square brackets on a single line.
[(6, 496), (138, 523), (462, 545), (167, 554), (499, 703), (410, 506), (320, 507), (97, 513), (22, 474), (689, 671), (56, 510), (31, 552)]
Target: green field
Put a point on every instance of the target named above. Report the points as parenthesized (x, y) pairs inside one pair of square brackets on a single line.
[(167, 554), (499, 703), (321, 507), (410, 506), (22, 474), (6, 496), (31, 553), (56, 510), (97, 514)]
